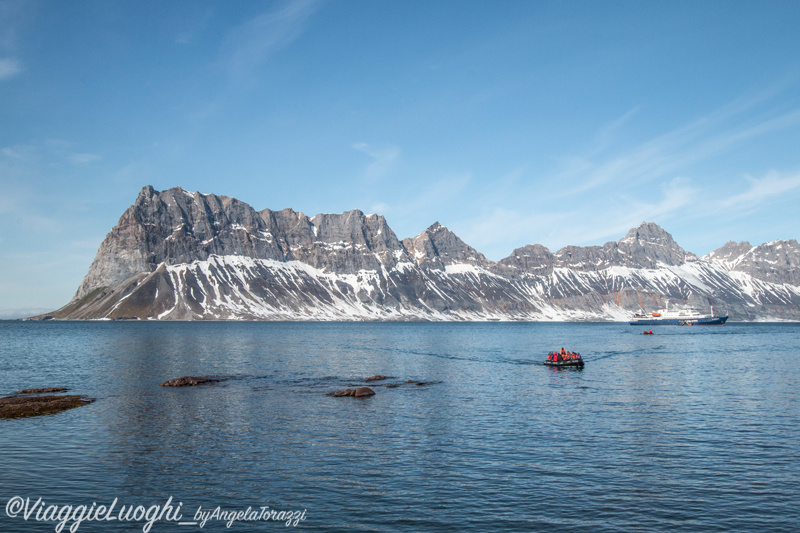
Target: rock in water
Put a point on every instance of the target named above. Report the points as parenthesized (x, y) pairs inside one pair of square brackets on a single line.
[(42, 391), (187, 381), (26, 406), (360, 392), (377, 377)]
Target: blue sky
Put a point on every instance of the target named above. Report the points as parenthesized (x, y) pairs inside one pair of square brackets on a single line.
[(510, 122)]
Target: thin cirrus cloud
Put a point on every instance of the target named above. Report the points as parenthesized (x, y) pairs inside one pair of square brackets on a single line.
[(618, 188), (9, 68), (83, 159), (19, 151), (417, 208), (52, 152), (253, 42), (667, 154), (761, 190), (499, 230), (383, 161)]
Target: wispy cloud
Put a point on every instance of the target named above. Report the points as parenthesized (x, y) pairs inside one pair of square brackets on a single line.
[(496, 231), (19, 151), (13, 15), (499, 230), (670, 153), (194, 23), (671, 200), (601, 192), (761, 190), (52, 151), (84, 159), (21, 207), (384, 160), (424, 205), (250, 44), (608, 133), (184, 37), (9, 68), (379, 208)]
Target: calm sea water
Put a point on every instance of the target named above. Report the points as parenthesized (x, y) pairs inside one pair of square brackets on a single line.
[(692, 429)]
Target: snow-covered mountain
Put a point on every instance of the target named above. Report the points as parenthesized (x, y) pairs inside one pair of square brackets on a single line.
[(176, 255)]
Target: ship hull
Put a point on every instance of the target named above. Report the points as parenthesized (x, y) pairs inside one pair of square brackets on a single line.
[(704, 321)]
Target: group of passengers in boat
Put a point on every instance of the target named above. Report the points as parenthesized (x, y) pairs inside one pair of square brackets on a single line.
[(563, 355)]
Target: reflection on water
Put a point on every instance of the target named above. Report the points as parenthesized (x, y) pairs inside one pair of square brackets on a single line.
[(677, 431)]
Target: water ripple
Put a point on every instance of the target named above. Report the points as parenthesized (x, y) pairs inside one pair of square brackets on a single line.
[(688, 431)]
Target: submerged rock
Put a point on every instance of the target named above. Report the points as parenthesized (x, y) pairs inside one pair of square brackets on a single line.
[(377, 377), (187, 381), (42, 391), (26, 406), (360, 392)]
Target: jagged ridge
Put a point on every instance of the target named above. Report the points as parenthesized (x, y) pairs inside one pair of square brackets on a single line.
[(176, 255)]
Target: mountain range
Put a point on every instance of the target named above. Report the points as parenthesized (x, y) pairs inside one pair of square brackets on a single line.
[(176, 255)]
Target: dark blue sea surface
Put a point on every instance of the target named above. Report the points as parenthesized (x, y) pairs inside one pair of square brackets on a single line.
[(691, 429)]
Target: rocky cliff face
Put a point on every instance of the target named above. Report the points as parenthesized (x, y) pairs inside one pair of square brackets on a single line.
[(437, 247), (647, 246), (532, 260), (188, 256), (776, 262)]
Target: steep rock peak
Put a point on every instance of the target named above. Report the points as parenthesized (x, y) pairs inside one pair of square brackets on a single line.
[(647, 232), (647, 246), (149, 193), (437, 245), (435, 227), (146, 193), (531, 250), (776, 261), (173, 227), (729, 252), (530, 259)]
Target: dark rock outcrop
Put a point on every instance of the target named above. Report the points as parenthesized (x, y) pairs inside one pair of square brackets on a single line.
[(188, 381), (27, 406), (437, 247), (532, 259), (360, 392), (42, 391), (377, 377)]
